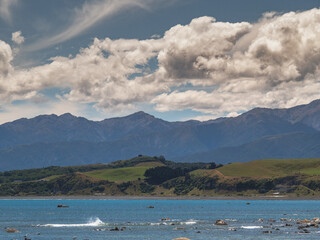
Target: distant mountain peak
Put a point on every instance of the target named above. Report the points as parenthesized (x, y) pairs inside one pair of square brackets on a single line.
[(67, 116), (141, 114)]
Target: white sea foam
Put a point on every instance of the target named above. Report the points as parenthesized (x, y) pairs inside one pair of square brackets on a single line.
[(231, 220), (92, 223), (96, 222), (189, 223), (157, 224), (251, 227)]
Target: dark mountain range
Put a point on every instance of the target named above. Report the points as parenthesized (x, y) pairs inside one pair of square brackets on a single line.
[(68, 140), (283, 146), (68, 128), (306, 114)]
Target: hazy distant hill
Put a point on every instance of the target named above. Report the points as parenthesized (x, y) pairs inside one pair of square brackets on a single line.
[(68, 140), (290, 145)]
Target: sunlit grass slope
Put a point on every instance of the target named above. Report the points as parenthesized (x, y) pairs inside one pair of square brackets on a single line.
[(119, 174), (272, 168)]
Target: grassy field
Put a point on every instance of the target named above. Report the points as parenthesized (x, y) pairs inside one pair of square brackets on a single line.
[(119, 174), (272, 168), (149, 164)]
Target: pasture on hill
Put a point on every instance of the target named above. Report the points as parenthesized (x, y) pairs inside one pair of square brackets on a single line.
[(272, 168)]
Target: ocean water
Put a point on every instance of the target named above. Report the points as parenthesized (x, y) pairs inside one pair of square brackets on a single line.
[(194, 219)]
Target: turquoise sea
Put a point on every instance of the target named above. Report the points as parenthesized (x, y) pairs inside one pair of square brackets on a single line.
[(194, 219)]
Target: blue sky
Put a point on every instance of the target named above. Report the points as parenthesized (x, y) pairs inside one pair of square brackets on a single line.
[(175, 59)]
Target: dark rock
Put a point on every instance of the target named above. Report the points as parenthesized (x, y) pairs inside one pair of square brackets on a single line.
[(180, 228), (11, 230), (62, 206), (115, 229), (220, 222), (313, 224)]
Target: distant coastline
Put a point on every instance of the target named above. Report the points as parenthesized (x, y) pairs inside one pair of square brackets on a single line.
[(87, 197)]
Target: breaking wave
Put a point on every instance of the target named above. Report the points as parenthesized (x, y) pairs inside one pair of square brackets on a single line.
[(251, 227), (96, 222)]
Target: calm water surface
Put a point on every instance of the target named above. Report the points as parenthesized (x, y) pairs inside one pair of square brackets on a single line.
[(194, 219)]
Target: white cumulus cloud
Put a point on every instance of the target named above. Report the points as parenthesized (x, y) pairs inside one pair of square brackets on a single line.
[(5, 59), (212, 67), (17, 37)]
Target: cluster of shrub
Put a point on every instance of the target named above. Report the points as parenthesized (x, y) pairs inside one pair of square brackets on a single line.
[(40, 173), (180, 179), (66, 185), (183, 182)]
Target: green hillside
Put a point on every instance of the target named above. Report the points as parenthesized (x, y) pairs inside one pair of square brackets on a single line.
[(155, 176), (119, 174), (272, 168), (53, 172)]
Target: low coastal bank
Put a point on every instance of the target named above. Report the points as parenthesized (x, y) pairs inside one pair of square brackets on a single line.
[(86, 197)]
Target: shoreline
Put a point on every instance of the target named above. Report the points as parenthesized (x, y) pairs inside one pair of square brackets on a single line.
[(86, 197)]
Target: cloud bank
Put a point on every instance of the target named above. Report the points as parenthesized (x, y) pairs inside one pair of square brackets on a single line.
[(5, 9), (216, 68)]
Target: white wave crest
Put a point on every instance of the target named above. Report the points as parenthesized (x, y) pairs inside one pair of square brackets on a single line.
[(189, 223), (251, 227), (92, 223)]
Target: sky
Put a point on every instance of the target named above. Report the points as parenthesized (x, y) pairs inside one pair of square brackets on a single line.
[(174, 59)]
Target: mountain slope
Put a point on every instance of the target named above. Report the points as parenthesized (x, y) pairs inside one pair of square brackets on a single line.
[(291, 145), (68, 140), (53, 128), (308, 114)]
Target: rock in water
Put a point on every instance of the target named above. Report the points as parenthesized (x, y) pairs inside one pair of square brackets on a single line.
[(62, 206), (220, 222), (11, 230)]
